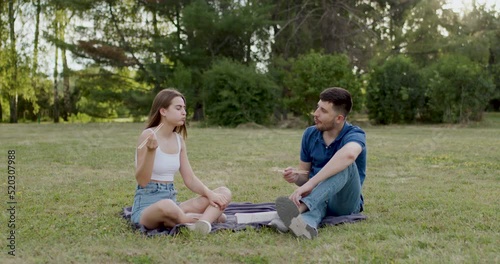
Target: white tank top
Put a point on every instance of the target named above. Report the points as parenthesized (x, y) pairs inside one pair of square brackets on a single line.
[(165, 165)]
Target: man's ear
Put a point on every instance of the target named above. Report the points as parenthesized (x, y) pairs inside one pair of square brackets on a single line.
[(340, 118)]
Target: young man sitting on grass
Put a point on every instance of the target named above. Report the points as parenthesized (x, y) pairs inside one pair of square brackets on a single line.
[(334, 153)]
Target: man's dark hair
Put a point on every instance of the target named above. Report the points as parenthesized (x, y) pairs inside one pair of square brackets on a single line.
[(339, 97)]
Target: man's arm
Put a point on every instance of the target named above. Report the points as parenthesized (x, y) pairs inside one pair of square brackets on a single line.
[(290, 174), (340, 161), (302, 177)]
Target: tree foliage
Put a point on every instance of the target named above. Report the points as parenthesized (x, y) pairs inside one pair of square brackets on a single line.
[(312, 73), (458, 90), (236, 94), (143, 46), (395, 93)]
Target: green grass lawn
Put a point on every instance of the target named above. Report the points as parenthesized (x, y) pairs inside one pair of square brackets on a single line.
[(432, 196)]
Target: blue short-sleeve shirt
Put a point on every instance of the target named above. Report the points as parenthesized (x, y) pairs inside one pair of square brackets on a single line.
[(315, 151)]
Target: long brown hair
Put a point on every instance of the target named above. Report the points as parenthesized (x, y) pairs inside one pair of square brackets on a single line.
[(163, 100)]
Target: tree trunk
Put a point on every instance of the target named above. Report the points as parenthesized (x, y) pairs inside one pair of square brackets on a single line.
[(1, 42), (13, 65), (158, 79), (13, 109), (67, 94), (56, 94), (198, 112), (37, 34), (62, 21), (35, 47), (2, 24), (179, 29), (56, 73), (248, 50)]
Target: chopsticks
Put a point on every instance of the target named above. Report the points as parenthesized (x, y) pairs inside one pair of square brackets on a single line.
[(294, 171), (146, 140)]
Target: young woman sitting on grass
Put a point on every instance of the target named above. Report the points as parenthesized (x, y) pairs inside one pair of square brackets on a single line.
[(161, 152)]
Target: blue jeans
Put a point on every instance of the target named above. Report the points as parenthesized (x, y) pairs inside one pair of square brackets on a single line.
[(335, 196)]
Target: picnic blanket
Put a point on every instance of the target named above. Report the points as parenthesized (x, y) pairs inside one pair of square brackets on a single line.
[(231, 222)]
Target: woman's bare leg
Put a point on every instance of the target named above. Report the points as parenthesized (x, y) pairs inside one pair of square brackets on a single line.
[(164, 212), (201, 205), (213, 213)]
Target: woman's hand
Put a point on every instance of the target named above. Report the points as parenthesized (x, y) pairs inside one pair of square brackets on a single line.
[(218, 200), (152, 143)]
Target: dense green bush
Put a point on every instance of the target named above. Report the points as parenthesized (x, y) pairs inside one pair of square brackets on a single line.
[(101, 93), (310, 74), (458, 90), (494, 103), (395, 93), (235, 94), (277, 70)]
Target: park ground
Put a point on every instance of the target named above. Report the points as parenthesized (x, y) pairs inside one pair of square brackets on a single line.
[(432, 196)]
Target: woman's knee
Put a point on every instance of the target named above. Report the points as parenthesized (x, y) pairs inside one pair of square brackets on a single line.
[(224, 190), (167, 207)]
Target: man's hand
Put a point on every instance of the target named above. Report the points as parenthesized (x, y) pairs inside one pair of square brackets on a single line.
[(290, 175), (300, 192)]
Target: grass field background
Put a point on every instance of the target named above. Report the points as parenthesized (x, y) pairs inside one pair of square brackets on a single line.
[(432, 196)]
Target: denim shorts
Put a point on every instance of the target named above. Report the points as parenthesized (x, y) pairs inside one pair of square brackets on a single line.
[(150, 194)]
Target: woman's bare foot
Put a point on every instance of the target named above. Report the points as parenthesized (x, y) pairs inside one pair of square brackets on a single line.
[(222, 218)]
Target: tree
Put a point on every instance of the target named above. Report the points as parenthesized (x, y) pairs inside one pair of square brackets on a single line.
[(66, 72), (426, 37), (2, 56), (122, 36), (102, 93), (334, 26), (34, 68), (393, 31), (163, 43), (235, 94), (14, 62), (225, 29), (478, 38), (12, 65), (458, 90), (56, 28), (494, 69), (395, 92), (278, 69), (312, 73)]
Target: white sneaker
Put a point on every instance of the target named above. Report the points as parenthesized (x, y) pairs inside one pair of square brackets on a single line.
[(290, 215), (189, 226), (202, 227)]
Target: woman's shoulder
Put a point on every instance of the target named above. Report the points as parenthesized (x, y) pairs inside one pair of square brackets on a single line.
[(146, 131), (179, 137)]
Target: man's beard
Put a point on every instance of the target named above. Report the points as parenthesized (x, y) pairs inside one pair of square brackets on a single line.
[(324, 127)]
